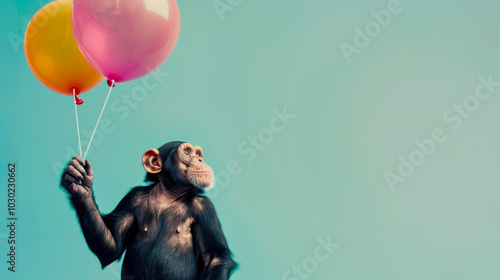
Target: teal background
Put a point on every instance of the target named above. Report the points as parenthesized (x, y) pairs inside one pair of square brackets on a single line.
[(321, 177)]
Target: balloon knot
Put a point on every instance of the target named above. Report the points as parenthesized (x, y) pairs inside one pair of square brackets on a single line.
[(78, 101), (111, 82)]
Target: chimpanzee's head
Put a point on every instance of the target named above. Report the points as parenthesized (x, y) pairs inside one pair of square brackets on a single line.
[(178, 163)]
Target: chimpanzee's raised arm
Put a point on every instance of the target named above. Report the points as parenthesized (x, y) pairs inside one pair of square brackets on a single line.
[(107, 236), (216, 257)]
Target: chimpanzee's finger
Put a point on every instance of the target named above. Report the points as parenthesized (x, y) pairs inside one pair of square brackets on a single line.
[(67, 180), (73, 172), (88, 168), (78, 166), (80, 160)]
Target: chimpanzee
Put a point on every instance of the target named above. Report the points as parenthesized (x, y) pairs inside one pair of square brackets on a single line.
[(169, 228)]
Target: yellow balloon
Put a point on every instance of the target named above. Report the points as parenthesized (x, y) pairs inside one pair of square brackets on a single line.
[(52, 52)]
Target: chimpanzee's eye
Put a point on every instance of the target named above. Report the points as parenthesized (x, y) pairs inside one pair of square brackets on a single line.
[(198, 154), (186, 152)]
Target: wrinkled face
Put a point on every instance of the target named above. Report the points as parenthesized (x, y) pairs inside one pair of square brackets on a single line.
[(192, 167)]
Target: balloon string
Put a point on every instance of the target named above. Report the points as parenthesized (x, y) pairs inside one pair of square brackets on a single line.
[(77, 125), (99, 119)]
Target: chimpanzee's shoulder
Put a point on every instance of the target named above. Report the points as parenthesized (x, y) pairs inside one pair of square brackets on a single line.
[(201, 203), (136, 195)]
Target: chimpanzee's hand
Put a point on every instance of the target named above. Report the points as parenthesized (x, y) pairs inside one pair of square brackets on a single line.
[(77, 177)]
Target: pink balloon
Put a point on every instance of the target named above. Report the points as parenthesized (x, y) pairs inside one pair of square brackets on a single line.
[(126, 39)]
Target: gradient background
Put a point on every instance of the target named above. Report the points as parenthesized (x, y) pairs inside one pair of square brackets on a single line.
[(323, 176)]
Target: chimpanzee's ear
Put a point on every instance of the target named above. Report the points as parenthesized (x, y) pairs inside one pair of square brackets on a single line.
[(151, 161)]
